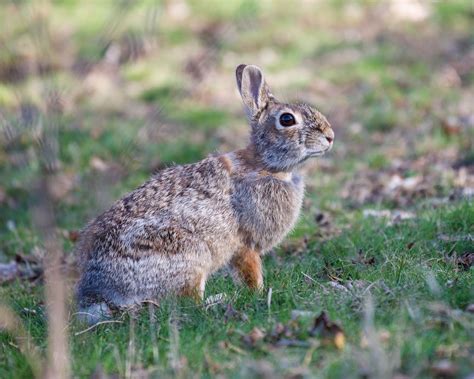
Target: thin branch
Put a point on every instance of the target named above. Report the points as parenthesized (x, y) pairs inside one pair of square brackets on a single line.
[(99, 323)]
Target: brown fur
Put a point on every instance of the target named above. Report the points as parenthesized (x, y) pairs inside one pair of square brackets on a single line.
[(248, 264), (227, 163), (170, 234), (247, 162)]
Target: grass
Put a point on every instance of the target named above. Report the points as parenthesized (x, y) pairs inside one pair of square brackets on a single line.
[(415, 284), (396, 288)]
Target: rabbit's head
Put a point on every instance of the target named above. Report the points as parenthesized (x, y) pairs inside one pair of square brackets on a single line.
[(283, 135)]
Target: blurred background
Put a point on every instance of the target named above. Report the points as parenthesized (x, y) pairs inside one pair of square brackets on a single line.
[(107, 92), (98, 95)]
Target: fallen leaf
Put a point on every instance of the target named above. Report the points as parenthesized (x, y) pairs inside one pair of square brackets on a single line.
[(384, 335), (279, 332), (288, 335), (21, 268), (99, 164), (214, 300), (232, 314), (73, 235), (376, 213), (451, 125), (61, 184), (362, 259), (408, 184), (326, 228), (329, 331), (465, 260), (410, 245), (408, 11), (253, 337), (211, 365), (394, 217), (338, 286), (21, 258), (322, 219), (340, 340), (393, 185)]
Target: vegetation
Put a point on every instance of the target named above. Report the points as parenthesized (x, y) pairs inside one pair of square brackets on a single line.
[(109, 92)]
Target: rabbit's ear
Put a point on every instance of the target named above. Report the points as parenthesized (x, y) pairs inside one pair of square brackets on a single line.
[(252, 87)]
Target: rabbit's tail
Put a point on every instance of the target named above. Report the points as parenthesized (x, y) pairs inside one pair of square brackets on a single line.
[(94, 313)]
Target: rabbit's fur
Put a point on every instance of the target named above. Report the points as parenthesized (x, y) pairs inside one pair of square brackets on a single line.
[(169, 235)]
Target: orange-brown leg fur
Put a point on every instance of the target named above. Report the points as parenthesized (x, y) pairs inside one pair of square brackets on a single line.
[(248, 264)]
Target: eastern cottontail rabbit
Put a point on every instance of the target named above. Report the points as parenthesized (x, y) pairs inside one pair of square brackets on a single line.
[(169, 235)]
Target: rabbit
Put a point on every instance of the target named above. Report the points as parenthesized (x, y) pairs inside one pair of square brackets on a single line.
[(186, 222)]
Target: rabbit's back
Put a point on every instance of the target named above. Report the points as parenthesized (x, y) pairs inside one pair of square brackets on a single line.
[(194, 197), (145, 245)]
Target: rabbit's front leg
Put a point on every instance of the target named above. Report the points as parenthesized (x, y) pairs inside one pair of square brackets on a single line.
[(248, 264), (195, 286)]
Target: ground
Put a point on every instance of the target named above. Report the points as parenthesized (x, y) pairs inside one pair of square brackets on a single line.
[(375, 281)]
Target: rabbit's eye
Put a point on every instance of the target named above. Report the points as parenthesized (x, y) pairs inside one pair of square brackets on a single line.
[(287, 119)]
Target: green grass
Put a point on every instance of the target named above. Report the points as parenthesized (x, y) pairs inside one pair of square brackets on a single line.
[(418, 291), (395, 288)]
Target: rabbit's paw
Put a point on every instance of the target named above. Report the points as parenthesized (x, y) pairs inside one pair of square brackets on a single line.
[(94, 313)]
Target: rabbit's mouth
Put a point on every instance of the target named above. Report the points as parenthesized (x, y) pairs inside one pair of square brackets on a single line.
[(313, 154), (318, 153)]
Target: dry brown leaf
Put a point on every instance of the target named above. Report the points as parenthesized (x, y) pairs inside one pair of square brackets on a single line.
[(410, 245), (61, 184), (24, 267), (397, 184), (394, 217), (98, 164), (73, 235), (253, 337), (363, 259), (465, 260), (328, 330)]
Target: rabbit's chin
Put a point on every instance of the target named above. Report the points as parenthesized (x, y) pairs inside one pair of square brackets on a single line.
[(312, 154), (317, 153)]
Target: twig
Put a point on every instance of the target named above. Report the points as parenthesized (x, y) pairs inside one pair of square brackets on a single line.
[(369, 287), (236, 349), (99, 323), (157, 305), (308, 357), (314, 281)]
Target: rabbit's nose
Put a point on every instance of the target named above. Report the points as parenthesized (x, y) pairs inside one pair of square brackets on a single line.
[(329, 134)]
